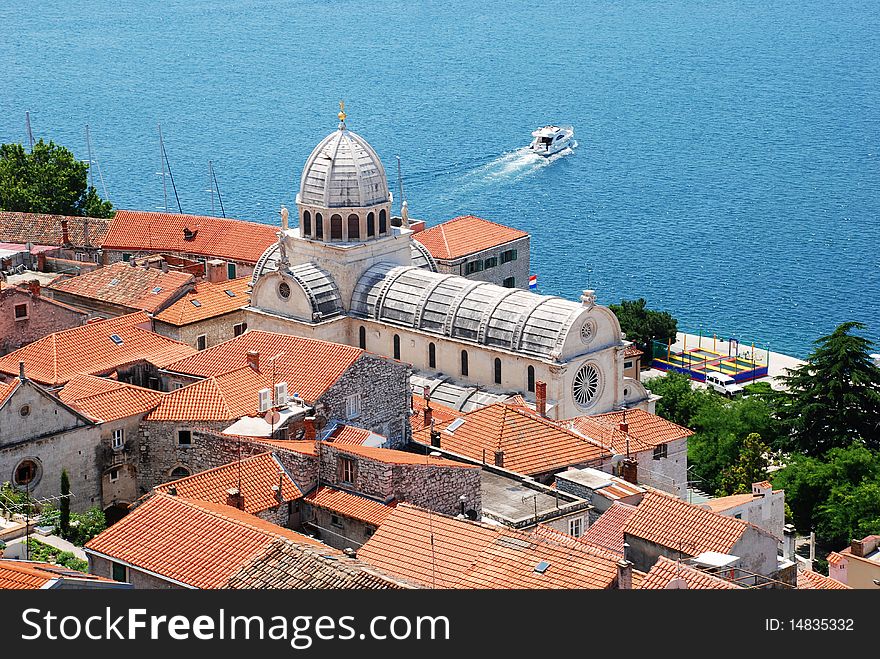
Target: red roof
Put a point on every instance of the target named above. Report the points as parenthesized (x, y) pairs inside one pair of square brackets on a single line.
[(349, 435), (531, 444), (30, 575), (395, 457), (195, 543), (208, 300), (235, 240), (673, 523), (809, 580), (58, 357), (645, 430), (148, 289), (665, 571), (45, 229), (6, 389), (108, 400), (439, 413), (351, 505), (254, 476), (632, 351), (309, 366), (607, 531), (465, 235)]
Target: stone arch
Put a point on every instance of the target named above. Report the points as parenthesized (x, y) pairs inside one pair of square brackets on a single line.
[(319, 226), (354, 227), (371, 224), (307, 224), (336, 226), (383, 222)]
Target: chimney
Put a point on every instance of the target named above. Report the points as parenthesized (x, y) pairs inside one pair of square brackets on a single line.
[(624, 427), (34, 287), (630, 472), (541, 398), (65, 236), (351, 553), (856, 548), (790, 534), (429, 414), (21, 371), (310, 433), (253, 359), (234, 498), (624, 575), (86, 242), (435, 437), (41, 262), (216, 271), (499, 458)]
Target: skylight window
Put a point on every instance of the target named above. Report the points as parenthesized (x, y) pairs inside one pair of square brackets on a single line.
[(195, 303), (158, 289), (113, 282), (455, 425), (116, 339), (541, 567), (230, 293)]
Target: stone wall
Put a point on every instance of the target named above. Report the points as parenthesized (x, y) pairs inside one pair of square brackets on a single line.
[(103, 568), (348, 532), (158, 451), (43, 318), (216, 330), (438, 488), (518, 268)]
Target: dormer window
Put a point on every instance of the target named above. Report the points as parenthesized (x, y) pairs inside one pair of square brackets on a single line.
[(189, 234)]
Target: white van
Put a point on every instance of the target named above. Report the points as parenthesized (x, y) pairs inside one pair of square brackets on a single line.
[(723, 384)]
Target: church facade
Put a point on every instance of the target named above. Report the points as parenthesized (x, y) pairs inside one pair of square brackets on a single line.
[(348, 274)]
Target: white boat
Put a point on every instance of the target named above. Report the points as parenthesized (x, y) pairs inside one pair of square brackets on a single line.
[(552, 139)]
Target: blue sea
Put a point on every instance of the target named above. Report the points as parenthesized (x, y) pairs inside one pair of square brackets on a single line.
[(727, 163)]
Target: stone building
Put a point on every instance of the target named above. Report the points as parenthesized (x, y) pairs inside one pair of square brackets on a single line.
[(78, 239), (26, 316), (345, 274), (39, 437), (479, 250), (763, 507), (211, 313)]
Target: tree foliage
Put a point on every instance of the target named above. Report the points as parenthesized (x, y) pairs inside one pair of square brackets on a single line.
[(64, 517), (50, 180), (643, 326), (750, 467), (834, 398)]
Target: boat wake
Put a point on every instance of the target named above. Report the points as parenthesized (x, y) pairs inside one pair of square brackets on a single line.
[(516, 165)]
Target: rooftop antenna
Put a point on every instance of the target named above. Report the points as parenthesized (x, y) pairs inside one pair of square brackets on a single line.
[(170, 175), (30, 133)]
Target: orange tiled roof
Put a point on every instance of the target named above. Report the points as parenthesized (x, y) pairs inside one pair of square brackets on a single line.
[(720, 504), (309, 366), (607, 530), (6, 389), (255, 475), (632, 351), (305, 447), (345, 434), (465, 235), (351, 505), (444, 552), (56, 358), (440, 413), (44, 229), (665, 570), (646, 430), (225, 238), (108, 400), (30, 575), (196, 543), (393, 456), (551, 534), (670, 522), (764, 484), (835, 558), (213, 300), (531, 444), (148, 289), (809, 580)]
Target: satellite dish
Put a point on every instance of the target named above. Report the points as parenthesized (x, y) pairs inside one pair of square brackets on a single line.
[(677, 584), (272, 417)]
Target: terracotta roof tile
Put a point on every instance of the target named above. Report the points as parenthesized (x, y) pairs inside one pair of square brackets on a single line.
[(465, 235), (607, 530), (632, 351), (720, 504), (56, 358), (309, 366), (673, 523), (344, 434), (31, 575), (255, 475), (305, 447), (549, 533), (6, 389), (235, 240), (440, 413), (213, 300), (531, 444), (393, 456), (665, 570), (108, 400), (646, 430), (193, 542), (46, 229), (225, 397), (809, 580), (351, 505), (147, 289)]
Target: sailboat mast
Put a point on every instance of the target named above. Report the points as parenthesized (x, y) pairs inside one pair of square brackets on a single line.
[(162, 173), (211, 184), (89, 149), (27, 123)]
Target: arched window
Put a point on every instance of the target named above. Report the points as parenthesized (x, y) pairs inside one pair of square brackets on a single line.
[(530, 385), (464, 362), (179, 472), (336, 227), (354, 227), (307, 224), (319, 226), (383, 222), (371, 224), (497, 371), (396, 346), (432, 355), (362, 337)]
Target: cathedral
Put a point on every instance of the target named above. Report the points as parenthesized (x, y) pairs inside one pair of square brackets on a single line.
[(350, 273)]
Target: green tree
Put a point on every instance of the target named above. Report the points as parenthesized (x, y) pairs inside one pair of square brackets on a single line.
[(834, 398), (49, 179), (87, 525), (851, 511), (679, 401), (64, 520), (750, 467), (643, 326)]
